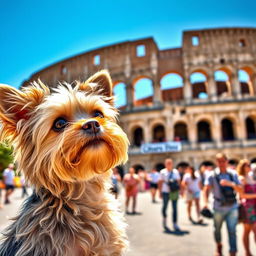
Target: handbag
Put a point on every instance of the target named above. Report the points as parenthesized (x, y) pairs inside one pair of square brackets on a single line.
[(2, 185)]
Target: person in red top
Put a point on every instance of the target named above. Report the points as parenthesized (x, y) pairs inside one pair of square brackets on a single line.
[(131, 181), (248, 199)]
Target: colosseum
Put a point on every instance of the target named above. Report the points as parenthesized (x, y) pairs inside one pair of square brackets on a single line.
[(194, 101)]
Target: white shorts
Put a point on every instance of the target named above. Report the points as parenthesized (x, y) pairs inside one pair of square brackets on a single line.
[(191, 196)]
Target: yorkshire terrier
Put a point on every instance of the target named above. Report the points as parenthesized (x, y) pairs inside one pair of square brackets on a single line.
[(65, 142)]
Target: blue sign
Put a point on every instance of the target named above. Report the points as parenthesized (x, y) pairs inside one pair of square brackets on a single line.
[(160, 147)]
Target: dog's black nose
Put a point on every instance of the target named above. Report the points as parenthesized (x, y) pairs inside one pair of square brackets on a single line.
[(91, 127)]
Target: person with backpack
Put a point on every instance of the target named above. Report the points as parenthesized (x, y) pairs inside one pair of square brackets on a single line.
[(224, 183), (169, 188)]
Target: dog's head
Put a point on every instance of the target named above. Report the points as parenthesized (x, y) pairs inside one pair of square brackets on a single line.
[(70, 135)]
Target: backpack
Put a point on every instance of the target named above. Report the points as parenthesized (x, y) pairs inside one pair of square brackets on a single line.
[(172, 183), (228, 195)]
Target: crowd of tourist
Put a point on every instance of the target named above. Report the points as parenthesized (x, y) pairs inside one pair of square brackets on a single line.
[(232, 187)]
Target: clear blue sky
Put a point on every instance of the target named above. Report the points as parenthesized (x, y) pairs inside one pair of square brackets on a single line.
[(35, 34)]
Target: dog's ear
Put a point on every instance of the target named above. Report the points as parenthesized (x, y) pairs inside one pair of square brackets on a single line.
[(16, 105), (101, 81)]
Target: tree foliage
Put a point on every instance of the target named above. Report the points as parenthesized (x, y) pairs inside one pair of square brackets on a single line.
[(6, 156)]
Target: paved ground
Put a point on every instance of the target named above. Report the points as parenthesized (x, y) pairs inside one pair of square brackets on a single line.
[(146, 234)]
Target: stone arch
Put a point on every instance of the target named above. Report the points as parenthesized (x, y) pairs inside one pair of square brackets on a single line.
[(250, 124), (171, 86), (204, 131), (143, 90), (137, 136), (180, 131), (198, 79), (181, 167), (121, 171), (120, 92), (207, 163), (138, 167), (227, 129), (253, 160), (222, 77), (245, 76), (183, 164), (159, 166), (232, 162), (158, 132)]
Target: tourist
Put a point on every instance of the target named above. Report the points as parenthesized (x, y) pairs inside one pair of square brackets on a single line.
[(115, 179), (248, 199), (131, 182), (143, 177), (8, 178), (153, 178), (169, 187), (192, 186), (224, 184)]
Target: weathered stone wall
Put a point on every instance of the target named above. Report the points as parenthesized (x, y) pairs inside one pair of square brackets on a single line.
[(204, 51)]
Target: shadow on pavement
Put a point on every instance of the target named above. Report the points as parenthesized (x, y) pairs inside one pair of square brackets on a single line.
[(133, 213), (176, 232), (201, 224)]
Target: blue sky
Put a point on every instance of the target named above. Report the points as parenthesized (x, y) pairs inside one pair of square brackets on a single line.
[(35, 34)]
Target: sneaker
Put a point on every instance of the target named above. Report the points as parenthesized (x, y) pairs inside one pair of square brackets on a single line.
[(176, 227)]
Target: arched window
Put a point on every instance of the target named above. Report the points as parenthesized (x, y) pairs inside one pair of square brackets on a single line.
[(208, 164), (227, 130), (181, 167), (159, 133), (138, 167), (250, 128), (221, 79), (171, 81), (159, 166), (204, 132), (63, 70), (253, 160), (120, 95), (138, 137), (244, 80), (198, 82), (220, 76), (197, 77), (180, 132), (143, 88), (172, 87)]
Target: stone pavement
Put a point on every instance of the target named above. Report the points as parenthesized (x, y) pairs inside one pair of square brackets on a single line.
[(146, 235)]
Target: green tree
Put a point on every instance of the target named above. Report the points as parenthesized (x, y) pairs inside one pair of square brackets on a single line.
[(6, 157)]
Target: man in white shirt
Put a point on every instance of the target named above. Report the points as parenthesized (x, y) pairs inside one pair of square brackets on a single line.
[(8, 177), (169, 184)]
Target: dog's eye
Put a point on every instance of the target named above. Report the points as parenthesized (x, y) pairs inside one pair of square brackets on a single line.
[(98, 114), (59, 124)]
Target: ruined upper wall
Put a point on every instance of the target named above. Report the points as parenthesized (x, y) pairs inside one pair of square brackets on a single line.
[(204, 51), (120, 59), (218, 47)]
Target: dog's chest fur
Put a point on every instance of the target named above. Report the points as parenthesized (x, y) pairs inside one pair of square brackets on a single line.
[(53, 228)]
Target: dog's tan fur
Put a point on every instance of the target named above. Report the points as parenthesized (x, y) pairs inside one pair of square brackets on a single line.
[(71, 212)]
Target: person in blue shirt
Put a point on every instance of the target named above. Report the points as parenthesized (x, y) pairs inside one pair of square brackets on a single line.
[(224, 184)]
